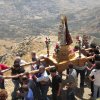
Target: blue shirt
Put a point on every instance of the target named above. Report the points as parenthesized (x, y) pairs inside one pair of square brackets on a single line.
[(29, 95)]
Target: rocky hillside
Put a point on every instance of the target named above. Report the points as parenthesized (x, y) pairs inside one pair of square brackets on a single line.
[(87, 21), (21, 17), (9, 49)]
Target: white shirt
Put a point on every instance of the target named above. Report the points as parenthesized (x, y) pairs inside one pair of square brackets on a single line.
[(22, 62), (44, 77), (73, 72), (96, 74), (34, 67), (81, 67), (72, 75)]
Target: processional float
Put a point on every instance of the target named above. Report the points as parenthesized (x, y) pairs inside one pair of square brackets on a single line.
[(64, 53)]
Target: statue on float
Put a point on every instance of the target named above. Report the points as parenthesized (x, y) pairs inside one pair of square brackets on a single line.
[(64, 37)]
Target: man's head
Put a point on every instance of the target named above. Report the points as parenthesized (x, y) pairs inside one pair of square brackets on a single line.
[(93, 45), (41, 56), (18, 58), (76, 48), (33, 54), (53, 71), (41, 69), (25, 79), (97, 57), (3, 94), (17, 64), (97, 64), (25, 89), (70, 66)]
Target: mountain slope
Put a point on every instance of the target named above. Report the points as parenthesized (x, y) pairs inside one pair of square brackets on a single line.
[(21, 17)]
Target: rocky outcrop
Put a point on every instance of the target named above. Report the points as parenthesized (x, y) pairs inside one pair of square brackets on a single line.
[(22, 48)]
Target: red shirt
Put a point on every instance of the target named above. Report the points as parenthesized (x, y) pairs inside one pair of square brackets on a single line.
[(2, 67)]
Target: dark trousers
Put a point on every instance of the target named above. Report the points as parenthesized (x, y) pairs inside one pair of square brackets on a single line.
[(44, 90), (82, 76), (70, 94), (37, 92), (55, 97), (92, 88), (16, 87), (2, 86)]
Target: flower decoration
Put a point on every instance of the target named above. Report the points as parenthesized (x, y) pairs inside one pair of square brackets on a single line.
[(57, 47)]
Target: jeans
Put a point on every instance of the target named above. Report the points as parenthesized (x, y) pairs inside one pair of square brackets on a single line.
[(70, 94), (32, 86), (36, 91), (16, 87), (92, 88), (44, 90), (82, 76), (96, 89)]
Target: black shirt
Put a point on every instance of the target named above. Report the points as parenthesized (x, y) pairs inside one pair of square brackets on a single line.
[(17, 71), (95, 51), (55, 83), (34, 59)]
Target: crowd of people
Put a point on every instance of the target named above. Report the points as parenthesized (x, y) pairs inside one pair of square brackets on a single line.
[(35, 86)]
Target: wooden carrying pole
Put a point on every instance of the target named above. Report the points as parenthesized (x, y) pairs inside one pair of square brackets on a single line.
[(61, 66), (23, 65), (36, 71)]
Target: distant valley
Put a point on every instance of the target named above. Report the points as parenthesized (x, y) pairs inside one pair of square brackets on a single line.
[(19, 18)]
